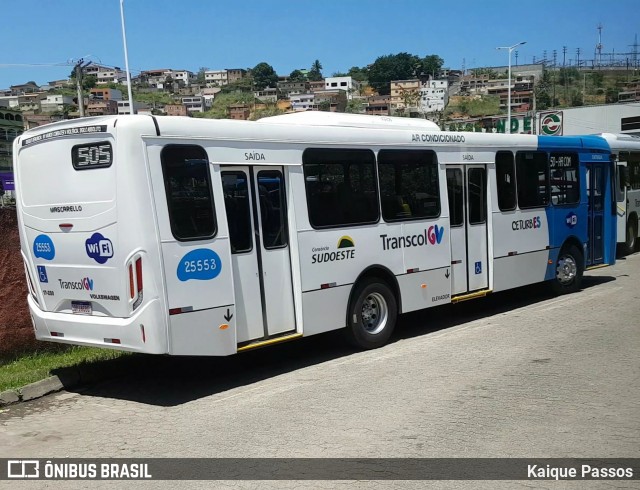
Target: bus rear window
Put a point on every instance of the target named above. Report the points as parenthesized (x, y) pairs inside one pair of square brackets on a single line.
[(187, 184)]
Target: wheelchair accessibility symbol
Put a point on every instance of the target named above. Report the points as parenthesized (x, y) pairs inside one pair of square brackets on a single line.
[(478, 267)]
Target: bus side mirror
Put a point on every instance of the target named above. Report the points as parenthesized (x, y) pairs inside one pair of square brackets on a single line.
[(624, 176)]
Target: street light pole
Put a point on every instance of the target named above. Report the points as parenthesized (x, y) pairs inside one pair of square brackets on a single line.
[(126, 59), (510, 48)]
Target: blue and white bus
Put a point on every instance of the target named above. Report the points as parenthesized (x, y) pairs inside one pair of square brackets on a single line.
[(625, 149), (182, 236)]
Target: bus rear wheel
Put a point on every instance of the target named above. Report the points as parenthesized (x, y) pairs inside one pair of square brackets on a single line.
[(631, 238), (372, 314), (569, 270)]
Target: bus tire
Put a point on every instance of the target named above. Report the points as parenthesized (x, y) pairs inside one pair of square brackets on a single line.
[(630, 241), (372, 314), (569, 270)]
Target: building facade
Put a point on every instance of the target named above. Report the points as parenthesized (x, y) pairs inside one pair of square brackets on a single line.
[(434, 95), (11, 126), (348, 84)]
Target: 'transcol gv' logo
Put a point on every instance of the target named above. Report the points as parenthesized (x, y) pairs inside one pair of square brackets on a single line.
[(99, 248), (433, 236), (85, 283)]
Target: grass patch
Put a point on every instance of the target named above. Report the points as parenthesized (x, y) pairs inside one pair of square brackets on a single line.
[(25, 369)]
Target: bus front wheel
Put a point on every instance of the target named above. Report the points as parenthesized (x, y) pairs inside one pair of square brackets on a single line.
[(372, 314), (569, 270)]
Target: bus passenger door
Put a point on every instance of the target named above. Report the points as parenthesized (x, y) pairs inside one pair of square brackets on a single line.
[(596, 194), (255, 202), (467, 189)]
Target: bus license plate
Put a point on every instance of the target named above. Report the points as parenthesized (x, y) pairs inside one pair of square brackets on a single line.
[(81, 307)]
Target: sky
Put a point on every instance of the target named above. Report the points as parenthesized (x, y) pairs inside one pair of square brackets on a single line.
[(43, 41)]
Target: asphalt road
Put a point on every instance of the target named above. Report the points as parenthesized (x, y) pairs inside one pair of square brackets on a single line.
[(518, 374)]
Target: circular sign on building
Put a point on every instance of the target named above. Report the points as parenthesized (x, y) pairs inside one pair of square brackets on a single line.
[(551, 123)]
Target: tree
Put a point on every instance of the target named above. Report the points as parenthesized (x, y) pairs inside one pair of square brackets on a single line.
[(431, 65), (89, 81), (359, 74), (264, 76), (315, 73), (200, 77), (401, 66), (296, 76), (354, 106), (611, 95), (168, 83), (324, 106)]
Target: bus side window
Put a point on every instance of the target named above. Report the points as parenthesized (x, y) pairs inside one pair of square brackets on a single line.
[(236, 201), (273, 213), (409, 187), (506, 179), (187, 182), (565, 188), (532, 178), (340, 186)]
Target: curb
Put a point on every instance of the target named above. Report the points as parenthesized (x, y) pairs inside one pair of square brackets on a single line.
[(31, 391), (69, 377)]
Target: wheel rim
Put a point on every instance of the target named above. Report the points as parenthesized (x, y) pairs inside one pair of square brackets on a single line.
[(374, 313), (567, 269)]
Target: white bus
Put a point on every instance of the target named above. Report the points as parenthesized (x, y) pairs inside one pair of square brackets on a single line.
[(183, 236), (626, 150)]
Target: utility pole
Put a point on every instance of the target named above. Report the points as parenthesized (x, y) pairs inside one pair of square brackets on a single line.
[(564, 72), (555, 56), (78, 69)]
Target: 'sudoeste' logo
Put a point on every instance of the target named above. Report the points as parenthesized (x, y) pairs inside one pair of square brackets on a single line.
[(99, 248)]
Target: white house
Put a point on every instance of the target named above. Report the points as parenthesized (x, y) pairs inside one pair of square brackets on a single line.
[(348, 84), (53, 103), (216, 77), (302, 102), (185, 76), (434, 95)]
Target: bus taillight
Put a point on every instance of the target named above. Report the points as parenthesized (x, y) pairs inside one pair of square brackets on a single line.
[(135, 281), (131, 285), (139, 273)]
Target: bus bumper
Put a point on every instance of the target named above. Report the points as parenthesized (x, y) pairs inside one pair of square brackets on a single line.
[(145, 331)]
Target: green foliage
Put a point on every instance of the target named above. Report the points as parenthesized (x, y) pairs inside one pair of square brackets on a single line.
[(325, 106), (222, 101), (597, 79), (488, 72), (401, 66), (355, 106), (611, 95), (359, 74), (28, 368), (476, 107), (151, 98), (264, 76), (568, 75), (576, 99), (200, 78), (315, 73), (89, 81), (245, 84), (296, 76), (271, 110), (431, 65)]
